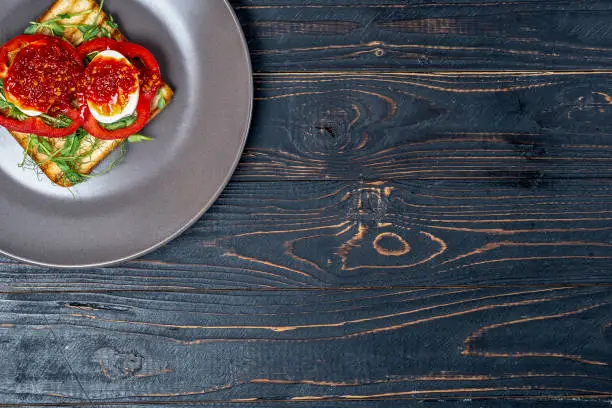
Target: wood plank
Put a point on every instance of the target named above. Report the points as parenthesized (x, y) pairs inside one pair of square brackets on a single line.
[(370, 234), (549, 343), (343, 125), (289, 35), (475, 402), (400, 403)]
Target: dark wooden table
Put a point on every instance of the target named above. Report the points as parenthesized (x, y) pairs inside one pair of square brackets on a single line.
[(423, 214)]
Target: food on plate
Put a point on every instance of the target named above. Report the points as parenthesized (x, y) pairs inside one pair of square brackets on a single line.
[(73, 89)]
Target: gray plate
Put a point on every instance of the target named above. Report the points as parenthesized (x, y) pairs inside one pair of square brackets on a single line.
[(162, 187)]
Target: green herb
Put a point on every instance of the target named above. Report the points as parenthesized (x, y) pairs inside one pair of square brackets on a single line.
[(69, 173), (95, 30), (25, 152), (53, 25), (139, 139), (121, 124), (61, 121), (44, 146), (10, 109), (69, 157), (111, 23), (89, 57), (89, 32), (56, 27), (161, 101)]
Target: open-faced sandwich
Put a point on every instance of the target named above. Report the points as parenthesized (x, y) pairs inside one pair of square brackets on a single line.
[(73, 89)]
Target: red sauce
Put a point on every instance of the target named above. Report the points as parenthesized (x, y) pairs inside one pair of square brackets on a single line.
[(149, 80), (43, 75), (108, 83)]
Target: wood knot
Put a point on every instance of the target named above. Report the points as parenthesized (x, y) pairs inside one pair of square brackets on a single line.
[(117, 365), (391, 244), (333, 129), (372, 248), (337, 128), (370, 205), (329, 129), (379, 52)]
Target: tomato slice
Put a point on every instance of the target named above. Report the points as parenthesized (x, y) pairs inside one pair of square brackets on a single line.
[(12, 48), (38, 125), (143, 113), (150, 82)]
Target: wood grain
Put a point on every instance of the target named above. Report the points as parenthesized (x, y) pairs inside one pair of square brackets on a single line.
[(530, 231), (308, 346), (398, 402), (291, 35), (460, 125), (401, 402), (409, 402)]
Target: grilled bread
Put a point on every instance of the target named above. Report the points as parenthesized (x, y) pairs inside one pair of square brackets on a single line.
[(96, 150)]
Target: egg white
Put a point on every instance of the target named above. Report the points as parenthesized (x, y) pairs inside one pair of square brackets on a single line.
[(133, 98), (15, 101)]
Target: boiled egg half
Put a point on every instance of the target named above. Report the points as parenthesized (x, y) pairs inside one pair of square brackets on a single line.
[(112, 87)]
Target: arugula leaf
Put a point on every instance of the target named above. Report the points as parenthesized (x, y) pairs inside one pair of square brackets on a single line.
[(55, 28), (111, 23), (67, 158), (32, 28), (105, 32), (34, 141), (71, 145), (15, 113), (94, 30), (121, 124), (81, 134), (76, 150), (44, 144), (61, 121), (52, 26), (139, 139), (89, 31), (69, 173)]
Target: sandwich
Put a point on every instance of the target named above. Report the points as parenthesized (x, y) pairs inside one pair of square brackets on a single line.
[(73, 89)]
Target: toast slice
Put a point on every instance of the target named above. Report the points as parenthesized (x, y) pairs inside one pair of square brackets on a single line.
[(93, 150)]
